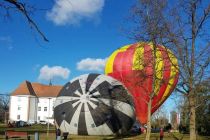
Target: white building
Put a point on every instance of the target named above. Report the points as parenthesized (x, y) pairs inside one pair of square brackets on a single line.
[(33, 102)]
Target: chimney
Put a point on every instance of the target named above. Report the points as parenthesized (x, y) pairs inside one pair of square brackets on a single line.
[(50, 84)]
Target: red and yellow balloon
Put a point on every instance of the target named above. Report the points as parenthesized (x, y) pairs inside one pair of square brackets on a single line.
[(144, 72)]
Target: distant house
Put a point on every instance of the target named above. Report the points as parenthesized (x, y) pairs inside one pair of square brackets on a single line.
[(33, 102)]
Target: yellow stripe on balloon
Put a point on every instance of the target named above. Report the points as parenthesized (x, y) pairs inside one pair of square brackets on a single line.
[(173, 71), (110, 61), (138, 57), (159, 65)]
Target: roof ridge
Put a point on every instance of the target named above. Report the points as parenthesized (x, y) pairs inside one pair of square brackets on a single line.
[(30, 88), (22, 89), (43, 84)]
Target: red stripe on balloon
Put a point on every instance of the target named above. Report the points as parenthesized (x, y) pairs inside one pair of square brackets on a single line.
[(117, 64), (128, 58)]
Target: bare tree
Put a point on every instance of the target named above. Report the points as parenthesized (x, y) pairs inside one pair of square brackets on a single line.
[(203, 107), (150, 78), (147, 16), (159, 118), (25, 10), (181, 26), (4, 106)]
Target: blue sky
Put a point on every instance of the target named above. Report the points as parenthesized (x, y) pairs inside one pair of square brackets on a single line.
[(80, 41), (95, 35)]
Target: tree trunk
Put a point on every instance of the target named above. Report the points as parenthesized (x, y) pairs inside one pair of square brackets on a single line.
[(192, 118), (5, 117), (149, 120)]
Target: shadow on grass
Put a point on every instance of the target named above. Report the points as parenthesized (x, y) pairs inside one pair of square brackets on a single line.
[(121, 137), (175, 137)]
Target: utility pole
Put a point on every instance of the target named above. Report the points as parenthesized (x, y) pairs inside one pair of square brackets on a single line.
[(48, 123)]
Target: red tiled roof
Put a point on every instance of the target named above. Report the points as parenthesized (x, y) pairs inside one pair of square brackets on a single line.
[(46, 90), (22, 89), (37, 89)]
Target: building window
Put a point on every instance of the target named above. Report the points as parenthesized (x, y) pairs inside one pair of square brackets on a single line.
[(92, 125), (45, 108), (18, 117), (39, 108), (19, 108), (38, 118)]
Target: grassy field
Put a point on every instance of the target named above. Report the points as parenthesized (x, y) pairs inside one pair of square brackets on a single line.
[(42, 129)]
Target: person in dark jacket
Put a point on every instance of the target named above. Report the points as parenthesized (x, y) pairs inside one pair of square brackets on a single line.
[(58, 134)]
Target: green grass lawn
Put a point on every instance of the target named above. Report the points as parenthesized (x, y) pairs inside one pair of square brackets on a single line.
[(29, 129), (42, 129)]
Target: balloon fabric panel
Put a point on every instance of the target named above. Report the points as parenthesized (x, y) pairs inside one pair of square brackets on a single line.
[(138, 76), (94, 104)]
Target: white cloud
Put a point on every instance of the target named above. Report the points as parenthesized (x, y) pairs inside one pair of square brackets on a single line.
[(91, 64), (73, 11), (6, 41), (47, 73)]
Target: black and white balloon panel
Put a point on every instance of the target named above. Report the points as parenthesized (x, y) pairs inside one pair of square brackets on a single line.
[(94, 104)]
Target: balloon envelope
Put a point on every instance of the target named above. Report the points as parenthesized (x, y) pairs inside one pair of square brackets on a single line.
[(144, 71), (94, 104)]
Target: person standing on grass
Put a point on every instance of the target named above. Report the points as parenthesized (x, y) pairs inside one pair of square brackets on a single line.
[(161, 134), (58, 134)]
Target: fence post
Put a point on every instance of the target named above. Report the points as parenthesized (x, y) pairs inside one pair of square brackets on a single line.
[(58, 137), (6, 137), (36, 136)]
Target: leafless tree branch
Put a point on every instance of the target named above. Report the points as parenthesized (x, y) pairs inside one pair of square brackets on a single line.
[(22, 9)]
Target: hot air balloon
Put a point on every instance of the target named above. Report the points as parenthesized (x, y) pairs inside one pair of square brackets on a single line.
[(94, 104), (144, 72)]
